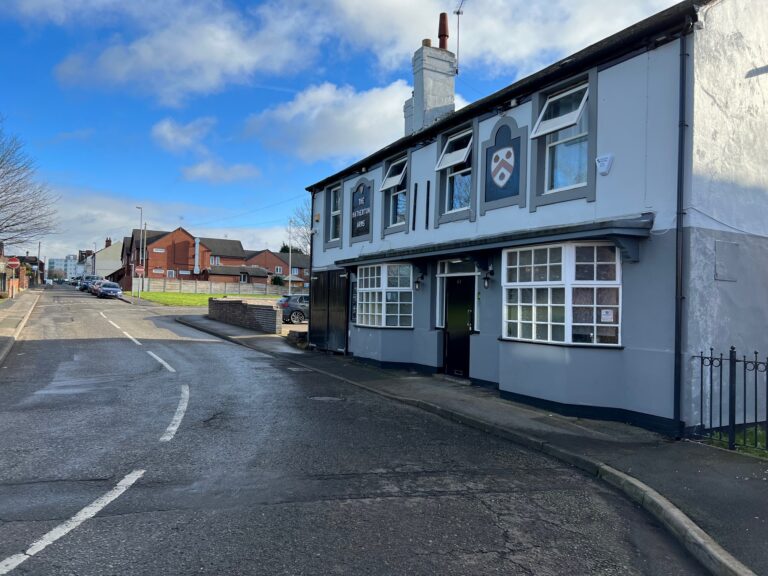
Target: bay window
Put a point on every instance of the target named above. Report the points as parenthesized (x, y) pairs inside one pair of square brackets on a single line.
[(564, 293), (385, 296)]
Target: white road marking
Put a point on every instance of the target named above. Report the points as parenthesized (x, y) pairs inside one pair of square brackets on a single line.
[(174, 425), (102, 315), (63, 529), (115, 325), (163, 362), (132, 338)]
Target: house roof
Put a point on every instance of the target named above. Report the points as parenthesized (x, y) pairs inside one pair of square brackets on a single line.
[(297, 260), (255, 271), (151, 236), (642, 36), (224, 247)]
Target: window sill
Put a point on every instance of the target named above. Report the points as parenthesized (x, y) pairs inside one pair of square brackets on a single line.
[(455, 215), (563, 344), (383, 327), (565, 189)]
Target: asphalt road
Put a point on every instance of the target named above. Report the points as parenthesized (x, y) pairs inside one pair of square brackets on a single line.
[(268, 469)]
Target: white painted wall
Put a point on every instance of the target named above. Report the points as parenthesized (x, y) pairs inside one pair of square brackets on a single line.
[(637, 123)]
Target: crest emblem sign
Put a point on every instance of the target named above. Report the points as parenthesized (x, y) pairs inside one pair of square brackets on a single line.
[(502, 166)]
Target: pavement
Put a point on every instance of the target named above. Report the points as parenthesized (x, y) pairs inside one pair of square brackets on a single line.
[(714, 502), (13, 316)]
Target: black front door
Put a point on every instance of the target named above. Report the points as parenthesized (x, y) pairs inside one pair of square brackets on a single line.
[(459, 317)]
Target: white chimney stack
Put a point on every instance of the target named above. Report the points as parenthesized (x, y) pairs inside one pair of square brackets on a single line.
[(434, 72)]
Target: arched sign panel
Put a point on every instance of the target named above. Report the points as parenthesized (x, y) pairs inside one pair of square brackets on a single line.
[(361, 210)]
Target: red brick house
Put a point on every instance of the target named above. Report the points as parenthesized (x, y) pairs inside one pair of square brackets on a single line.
[(277, 264)]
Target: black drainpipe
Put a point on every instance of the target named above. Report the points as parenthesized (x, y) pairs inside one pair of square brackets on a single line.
[(679, 297), (312, 233)]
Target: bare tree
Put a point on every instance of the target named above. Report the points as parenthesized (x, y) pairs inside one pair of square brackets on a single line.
[(26, 205), (302, 225)]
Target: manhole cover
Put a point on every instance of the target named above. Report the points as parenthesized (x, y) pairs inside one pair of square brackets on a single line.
[(326, 398)]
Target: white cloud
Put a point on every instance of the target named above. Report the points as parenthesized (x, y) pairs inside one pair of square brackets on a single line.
[(333, 122), (215, 172), (178, 48), (176, 137), (85, 217)]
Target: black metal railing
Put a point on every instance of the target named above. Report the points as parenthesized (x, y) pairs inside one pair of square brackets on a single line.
[(733, 399)]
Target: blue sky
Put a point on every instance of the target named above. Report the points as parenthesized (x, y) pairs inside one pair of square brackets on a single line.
[(215, 115)]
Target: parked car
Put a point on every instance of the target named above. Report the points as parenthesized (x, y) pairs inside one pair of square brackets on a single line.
[(295, 308), (95, 286), (110, 290)]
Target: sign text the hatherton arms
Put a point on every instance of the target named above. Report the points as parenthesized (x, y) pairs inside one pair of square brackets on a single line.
[(361, 210)]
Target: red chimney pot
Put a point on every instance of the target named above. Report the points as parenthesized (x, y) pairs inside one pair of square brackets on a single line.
[(442, 31)]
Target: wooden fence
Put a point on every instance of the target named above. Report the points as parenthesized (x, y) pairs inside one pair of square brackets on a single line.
[(206, 287)]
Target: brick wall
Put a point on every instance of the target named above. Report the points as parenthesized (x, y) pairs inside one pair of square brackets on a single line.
[(262, 317)]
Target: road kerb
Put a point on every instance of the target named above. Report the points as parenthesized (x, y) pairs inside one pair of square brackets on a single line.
[(6, 349), (690, 535)]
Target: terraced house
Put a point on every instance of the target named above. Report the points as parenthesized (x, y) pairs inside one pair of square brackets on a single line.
[(573, 239)]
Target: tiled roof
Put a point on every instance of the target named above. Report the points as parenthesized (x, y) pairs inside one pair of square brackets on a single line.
[(224, 247), (255, 271)]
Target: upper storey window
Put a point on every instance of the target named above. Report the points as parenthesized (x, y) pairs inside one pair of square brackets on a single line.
[(563, 125), (456, 161), (335, 214), (395, 188)]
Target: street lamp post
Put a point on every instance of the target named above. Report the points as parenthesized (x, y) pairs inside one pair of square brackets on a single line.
[(290, 254), (93, 267), (141, 248)]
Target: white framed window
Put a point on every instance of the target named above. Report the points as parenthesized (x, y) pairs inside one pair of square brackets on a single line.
[(563, 293), (445, 269), (395, 186), (455, 151), (243, 278), (215, 260), (395, 174), (334, 232), (456, 160), (278, 269), (158, 250), (158, 270), (563, 125), (171, 273), (385, 296), (295, 271)]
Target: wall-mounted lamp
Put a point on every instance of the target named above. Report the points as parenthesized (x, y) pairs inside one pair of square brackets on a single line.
[(417, 282), (487, 276)]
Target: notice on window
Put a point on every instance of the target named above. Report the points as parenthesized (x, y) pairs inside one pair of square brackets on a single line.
[(606, 316)]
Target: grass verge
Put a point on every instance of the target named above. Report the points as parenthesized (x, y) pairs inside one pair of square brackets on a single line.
[(181, 299)]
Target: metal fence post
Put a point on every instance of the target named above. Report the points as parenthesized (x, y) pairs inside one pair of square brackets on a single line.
[(732, 399)]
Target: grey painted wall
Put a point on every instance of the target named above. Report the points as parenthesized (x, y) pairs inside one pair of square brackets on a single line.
[(727, 198), (637, 123)]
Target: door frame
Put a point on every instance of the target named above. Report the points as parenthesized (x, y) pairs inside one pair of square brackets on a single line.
[(441, 299), (440, 295)]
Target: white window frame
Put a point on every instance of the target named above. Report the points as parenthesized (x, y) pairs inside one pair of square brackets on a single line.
[(372, 293), (568, 283), (171, 274), (451, 173), (243, 278), (334, 214), (158, 270), (215, 260), (294, 271), (393, 186), (448, 159), (278, 269), (547, 129), (394, 179), (544, 127), (440, 293)]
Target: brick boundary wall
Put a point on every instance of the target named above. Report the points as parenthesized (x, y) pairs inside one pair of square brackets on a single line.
[(261, 317)]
